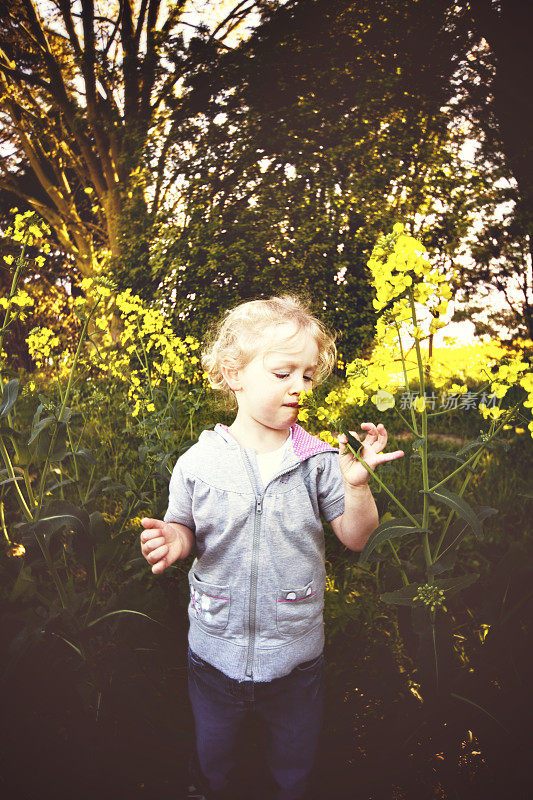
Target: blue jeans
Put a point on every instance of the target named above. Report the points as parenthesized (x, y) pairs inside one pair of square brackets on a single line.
[(291, 709)]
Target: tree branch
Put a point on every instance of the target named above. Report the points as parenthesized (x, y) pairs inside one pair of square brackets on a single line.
[(89, 77), (129, 63), (140, 23), (115, 29), (149, 62), (33, 80), (58, 89), (64, 6)]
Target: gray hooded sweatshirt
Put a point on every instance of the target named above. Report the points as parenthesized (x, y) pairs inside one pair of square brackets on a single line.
[(257, 582)]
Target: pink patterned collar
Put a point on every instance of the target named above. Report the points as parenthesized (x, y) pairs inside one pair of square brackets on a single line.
[(303, 443)]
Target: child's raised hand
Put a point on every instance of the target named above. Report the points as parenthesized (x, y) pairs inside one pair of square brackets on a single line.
[(375, 440), (161, 543)]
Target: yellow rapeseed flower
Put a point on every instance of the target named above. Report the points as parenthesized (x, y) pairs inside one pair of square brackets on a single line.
[(493, 412)]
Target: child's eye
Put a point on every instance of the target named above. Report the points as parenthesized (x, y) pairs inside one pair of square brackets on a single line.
[(306, 377)]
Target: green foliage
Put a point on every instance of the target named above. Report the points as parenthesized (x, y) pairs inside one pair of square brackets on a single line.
[(75, 557), (288, 180)]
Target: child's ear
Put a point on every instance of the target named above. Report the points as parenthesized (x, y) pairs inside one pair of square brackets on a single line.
[(231, 374)]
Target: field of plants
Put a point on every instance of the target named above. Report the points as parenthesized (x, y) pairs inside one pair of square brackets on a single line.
[(163, 162), (428, 629)]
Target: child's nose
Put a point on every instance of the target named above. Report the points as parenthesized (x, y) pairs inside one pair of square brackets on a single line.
[(298, 385)]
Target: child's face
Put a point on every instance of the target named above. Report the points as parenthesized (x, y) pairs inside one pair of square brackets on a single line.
[(272, 380)]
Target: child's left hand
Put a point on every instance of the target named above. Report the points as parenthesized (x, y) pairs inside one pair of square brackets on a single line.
[(354, 474)]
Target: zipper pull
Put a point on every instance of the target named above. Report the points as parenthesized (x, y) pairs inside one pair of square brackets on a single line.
[(259, 507)]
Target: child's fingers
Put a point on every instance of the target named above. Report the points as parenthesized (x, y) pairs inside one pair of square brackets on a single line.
[(390, 456), (149, 536), (157, 554), (379, 434), (160, 566), (146, 522), (150, 544), (374, 434), (343, 441)]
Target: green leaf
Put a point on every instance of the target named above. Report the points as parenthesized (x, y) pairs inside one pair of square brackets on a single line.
[(450, 586), (390, 529), (12, 480), (40, 426), (162, 468), (129, 481), (100, 527), (476, 705), (70, 644), (470, 445), (67, 414), (454, 535), (125, 611), (495, 440), (55, 516), (59, 484), (351, 440), (459, 505), (25, 585), (37, 414), (402, 597), (9, 397), (83, 452), (7, 430)]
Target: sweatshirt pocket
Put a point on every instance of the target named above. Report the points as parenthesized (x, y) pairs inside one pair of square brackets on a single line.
[(298, 609), (210, 603)]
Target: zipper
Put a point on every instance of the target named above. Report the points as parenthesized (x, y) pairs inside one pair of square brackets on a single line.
[(255, 567), (254, 571)]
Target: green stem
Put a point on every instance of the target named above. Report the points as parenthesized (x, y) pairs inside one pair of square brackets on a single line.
[(72, 449), (406, 381), (64, 403), (50, 564), (380, 482), (462, 466), (98, 579), (405, 421), (11, 471), (13, 290), (89, 484), (405, 579), (466, 481), (3, 520), (424, 445), (183, 432)]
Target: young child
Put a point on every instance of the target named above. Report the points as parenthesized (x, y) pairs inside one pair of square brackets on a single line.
[(249, 497)]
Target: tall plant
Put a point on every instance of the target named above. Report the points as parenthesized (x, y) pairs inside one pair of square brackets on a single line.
[(60, 553), (403, 277)]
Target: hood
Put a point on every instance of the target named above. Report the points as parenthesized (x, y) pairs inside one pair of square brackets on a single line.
[(303, 443)]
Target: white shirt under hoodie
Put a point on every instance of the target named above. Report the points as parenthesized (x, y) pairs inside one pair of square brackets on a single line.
[(269, 463)]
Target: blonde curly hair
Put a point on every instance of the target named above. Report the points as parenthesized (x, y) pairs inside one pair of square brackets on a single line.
[(251, 327)]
